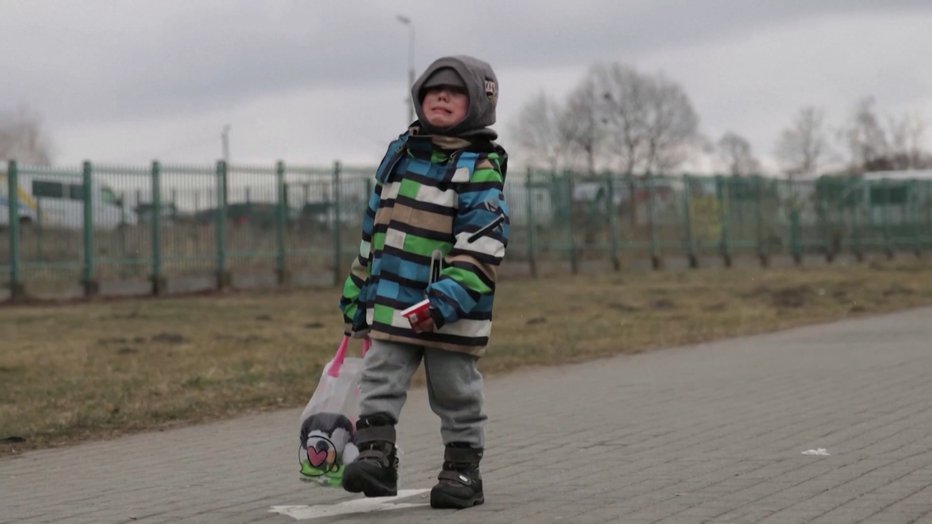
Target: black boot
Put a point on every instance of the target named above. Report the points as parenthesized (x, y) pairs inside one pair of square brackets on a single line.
[(460, 484), (375, 470)]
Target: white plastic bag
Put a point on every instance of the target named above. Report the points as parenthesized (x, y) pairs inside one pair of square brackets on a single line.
[(327, 431)]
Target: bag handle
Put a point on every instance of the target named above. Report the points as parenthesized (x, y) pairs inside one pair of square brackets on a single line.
[(338, 358)]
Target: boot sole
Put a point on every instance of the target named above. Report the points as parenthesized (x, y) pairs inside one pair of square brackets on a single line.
[(368, 485), (443, 501)]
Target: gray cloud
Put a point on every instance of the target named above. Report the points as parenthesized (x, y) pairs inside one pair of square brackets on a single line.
[(123, 60), (91, 63)]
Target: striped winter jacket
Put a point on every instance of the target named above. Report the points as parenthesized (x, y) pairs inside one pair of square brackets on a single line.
[(419, 240)]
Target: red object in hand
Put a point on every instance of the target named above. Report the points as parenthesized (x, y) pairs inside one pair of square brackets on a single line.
[(419, 316)]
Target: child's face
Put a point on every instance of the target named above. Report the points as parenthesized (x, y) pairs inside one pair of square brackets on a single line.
[(444, 106)]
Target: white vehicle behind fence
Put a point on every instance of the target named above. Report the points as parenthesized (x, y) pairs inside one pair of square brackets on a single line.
[(57, 201)]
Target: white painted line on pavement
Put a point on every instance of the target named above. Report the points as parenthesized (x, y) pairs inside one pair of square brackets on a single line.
[(365, 505), (820, 452)]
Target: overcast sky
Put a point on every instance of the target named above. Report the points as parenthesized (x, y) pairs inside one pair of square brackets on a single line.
[(311, 82)]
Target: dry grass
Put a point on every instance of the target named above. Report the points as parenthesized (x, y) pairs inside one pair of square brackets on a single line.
[(94, 370)]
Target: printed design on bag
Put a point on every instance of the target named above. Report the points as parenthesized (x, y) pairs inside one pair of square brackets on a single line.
[(319, 451), (327, 444)]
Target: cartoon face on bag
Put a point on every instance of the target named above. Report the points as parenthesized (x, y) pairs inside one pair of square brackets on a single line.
[(326, 443)]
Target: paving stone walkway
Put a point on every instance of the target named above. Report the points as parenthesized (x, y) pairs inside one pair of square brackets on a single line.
[(828, 423)]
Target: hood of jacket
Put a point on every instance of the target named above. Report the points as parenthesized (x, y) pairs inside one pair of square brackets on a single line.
[(481, 87)]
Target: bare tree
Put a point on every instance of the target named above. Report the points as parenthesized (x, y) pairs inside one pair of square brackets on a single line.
[(624, 112), (649, 120), (581, 126), (735, 152), (906, 136), (875, 147), (867, 141), (617, 116), (672, 126), (804, 146), (22, 138), (537, 131)]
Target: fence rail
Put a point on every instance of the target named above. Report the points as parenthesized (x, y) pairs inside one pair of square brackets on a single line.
[(158, 229)]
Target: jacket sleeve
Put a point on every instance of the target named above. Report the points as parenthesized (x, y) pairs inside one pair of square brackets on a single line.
[(352, 301), (355, 284), (470, 271)]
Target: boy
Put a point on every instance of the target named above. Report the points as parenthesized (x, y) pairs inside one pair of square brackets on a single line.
[(436, 228)]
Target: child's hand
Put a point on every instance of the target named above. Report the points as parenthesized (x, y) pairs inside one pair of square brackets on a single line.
[(419, 317), (422, 325)]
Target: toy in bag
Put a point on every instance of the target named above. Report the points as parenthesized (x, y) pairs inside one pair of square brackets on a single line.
[(327, 438)]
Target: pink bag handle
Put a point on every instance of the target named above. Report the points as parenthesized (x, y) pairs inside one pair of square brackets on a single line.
[(337, 361)]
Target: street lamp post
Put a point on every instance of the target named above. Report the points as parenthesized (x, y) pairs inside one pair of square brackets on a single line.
[(407, 21), (225, 142)]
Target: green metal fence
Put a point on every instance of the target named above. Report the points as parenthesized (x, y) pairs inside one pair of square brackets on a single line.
[(157, 229), (694, 217)]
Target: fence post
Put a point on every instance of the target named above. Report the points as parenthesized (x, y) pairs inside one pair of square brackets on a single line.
[(531, 260), (574, 256), (655, 260), (820, 222), (612, 221), (857, 248), (762, 253), (157, 280), (632, 201), (223, 276), (795, 252), (722, 193), (337, 241), (91, 286), (280, 223), (913, 202), (38, 230), (795, 241), (824, 217), (928, 228), (688, 226), (17, 290), (887, 241)]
